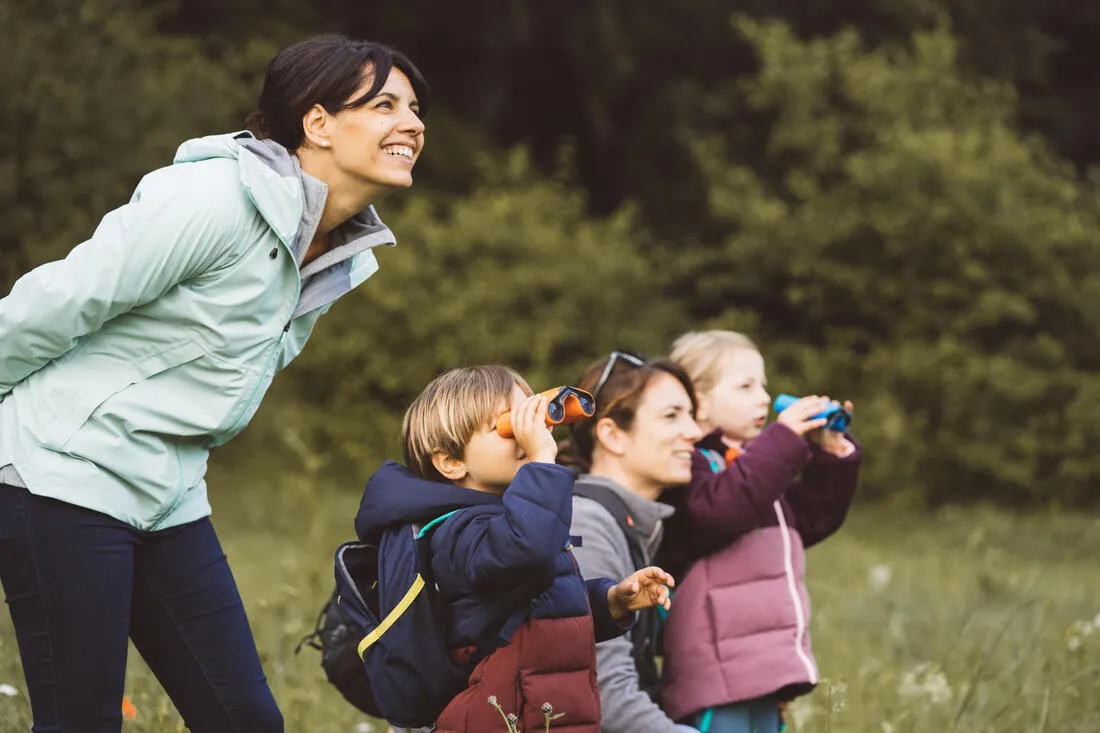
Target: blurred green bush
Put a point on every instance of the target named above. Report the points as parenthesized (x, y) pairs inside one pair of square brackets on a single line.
[(892, 238)]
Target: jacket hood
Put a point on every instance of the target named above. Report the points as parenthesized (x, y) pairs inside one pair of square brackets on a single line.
[(273, 178), (268, 173), (395, 496), (292, 202)]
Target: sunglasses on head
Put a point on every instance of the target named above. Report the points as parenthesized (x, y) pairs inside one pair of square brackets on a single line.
[(616, 356), (565, 405)]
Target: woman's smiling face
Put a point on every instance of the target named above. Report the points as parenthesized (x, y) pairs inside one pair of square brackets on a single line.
[(377, 144), (659, 444)]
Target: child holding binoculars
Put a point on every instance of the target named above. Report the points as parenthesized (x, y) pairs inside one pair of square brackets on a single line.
[(737, 642), (507, 547)]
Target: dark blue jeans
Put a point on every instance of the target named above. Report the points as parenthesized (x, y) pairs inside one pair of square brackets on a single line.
[(78, 583)]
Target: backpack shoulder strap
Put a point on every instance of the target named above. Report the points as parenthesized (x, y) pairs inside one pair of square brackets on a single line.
[(644, 637), (421, 531), (717, 460), (410, 595), (618, 509), (492, 641)]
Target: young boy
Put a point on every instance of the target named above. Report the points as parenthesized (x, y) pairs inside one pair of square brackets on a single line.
[(507, 547)]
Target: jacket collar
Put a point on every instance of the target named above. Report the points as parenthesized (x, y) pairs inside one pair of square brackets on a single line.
[(291, 201)]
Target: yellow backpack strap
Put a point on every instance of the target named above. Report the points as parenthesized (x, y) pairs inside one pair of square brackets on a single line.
[(410, 595), (392, 616)]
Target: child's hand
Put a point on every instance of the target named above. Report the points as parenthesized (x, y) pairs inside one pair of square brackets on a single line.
[(833, 441), (646, 588), (532, 434), (799, 416)]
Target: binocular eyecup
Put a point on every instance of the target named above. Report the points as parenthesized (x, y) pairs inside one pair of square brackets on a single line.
[(566, 405)]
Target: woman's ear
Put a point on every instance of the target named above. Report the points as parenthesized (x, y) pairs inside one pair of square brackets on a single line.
[(449, 467), (610, 437), (317, 126)]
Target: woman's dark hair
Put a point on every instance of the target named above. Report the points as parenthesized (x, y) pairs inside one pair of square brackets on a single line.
[(618, 398), (325, 70)]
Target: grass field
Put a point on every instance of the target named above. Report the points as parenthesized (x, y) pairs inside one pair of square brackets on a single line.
[(966, 620)]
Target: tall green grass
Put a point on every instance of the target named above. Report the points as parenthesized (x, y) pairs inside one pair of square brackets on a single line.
[(967, 620)]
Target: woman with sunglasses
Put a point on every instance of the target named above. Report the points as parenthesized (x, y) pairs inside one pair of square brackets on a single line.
[(638, 444), (154, 341)]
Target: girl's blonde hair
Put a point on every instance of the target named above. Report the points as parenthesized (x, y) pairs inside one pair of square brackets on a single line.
[(450, 410), (700, 354)]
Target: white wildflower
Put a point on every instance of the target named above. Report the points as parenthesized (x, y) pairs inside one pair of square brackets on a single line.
[(364, 727), (837, 695), (879, 577), (888, 727), (926, 681), (8, 691), (1077, 633), (1096, 620)]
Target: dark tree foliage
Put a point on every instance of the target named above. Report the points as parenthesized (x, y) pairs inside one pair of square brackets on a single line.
[(892, 197)]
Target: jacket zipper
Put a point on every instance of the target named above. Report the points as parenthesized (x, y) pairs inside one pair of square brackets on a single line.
[(166, 512), (792, 587), (249, 409)]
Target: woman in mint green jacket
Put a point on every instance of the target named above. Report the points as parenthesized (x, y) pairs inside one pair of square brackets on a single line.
[(154, 341)]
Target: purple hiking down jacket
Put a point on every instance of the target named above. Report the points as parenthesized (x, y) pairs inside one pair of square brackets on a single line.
[(739, 625)]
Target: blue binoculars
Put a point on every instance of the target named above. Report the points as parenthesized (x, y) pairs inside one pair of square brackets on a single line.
[(838, 417)]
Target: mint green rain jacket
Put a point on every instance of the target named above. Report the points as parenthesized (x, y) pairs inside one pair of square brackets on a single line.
[(122, 365)]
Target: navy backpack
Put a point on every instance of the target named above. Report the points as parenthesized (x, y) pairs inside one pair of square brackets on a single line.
[(381, 641)]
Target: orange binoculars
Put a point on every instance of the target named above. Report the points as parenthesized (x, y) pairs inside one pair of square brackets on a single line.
[(566, 404)]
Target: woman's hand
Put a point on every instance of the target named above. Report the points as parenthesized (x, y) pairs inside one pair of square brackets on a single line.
[(833, 441), (643, 589), (799, 417), (532, 434)]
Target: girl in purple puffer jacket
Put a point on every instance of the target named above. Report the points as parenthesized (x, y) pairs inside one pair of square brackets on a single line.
[(737, 641)]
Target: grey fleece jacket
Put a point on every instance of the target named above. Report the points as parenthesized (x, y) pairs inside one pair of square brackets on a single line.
[(603, 553)]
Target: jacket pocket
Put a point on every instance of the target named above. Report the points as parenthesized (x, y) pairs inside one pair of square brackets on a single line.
[(572, 695), (101, 377)]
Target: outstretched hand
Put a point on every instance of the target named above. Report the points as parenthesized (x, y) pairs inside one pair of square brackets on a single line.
[(643, 589)]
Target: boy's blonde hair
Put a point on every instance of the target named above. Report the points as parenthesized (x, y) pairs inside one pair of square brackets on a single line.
[(450, 410), (700, 354)]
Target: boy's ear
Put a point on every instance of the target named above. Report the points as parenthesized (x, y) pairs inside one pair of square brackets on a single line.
[(610, 436), (449, 467)]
